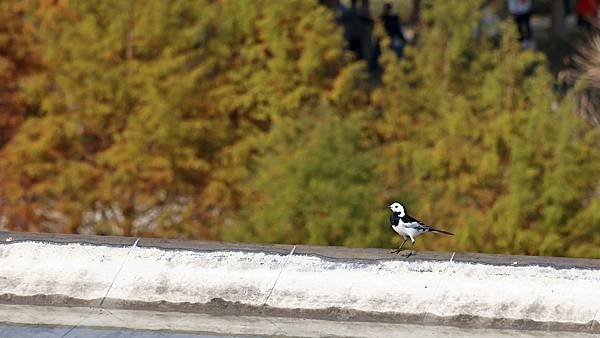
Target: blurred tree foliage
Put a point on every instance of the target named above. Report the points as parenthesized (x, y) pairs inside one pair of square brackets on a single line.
[(314, 184), (18, 58), (476, 137), (152, 109), (247, 120)]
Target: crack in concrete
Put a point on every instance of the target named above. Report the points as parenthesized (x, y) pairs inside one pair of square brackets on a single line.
[(119, 271), (107, 291), (279, 275), (77, 325), (437, 287)]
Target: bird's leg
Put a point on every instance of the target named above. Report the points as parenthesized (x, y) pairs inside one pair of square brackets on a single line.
[(400, 248), (410, 252)]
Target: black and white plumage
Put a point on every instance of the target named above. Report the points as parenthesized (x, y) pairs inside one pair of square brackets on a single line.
[(409, 227)]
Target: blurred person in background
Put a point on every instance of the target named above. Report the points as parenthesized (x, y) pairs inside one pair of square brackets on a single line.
[(352, 29), (393, 28), (489, 25), (357, 28), (521, 11)]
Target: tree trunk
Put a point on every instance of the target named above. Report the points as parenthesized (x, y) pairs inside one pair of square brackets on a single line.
[(558, 19), (415, 15), (73, 224), (129, 215)]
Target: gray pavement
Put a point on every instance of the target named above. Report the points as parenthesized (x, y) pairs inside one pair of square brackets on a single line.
[(94, 322), (40, 331)]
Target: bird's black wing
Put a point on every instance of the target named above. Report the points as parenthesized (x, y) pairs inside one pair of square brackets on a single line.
[(409, 219), (410, 222)]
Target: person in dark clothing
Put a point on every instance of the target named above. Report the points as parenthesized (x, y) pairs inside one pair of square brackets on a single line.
[(393, 28), (357, 29), (521, 11)]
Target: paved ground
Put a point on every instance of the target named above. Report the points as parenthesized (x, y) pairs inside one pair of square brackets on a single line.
[(37, 331), (93, 322)]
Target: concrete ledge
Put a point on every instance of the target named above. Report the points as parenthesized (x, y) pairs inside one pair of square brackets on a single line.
[(456, 289)]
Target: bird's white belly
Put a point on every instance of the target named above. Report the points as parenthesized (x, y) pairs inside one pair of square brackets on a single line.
[(406, 232)]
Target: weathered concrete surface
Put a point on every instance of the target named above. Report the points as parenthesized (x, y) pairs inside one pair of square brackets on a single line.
[(71, 322), (465, 290), (326, 252)]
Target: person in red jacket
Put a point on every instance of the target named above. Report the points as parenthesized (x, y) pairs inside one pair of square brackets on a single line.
[(587, 13)]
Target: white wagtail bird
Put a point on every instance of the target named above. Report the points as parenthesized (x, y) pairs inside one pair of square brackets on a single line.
[(408, 227)]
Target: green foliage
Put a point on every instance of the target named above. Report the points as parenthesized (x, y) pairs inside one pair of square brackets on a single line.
[(152, 110), (479, 143), (315, 184)]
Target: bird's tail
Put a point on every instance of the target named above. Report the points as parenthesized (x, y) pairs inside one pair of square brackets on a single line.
[(441, 231)]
